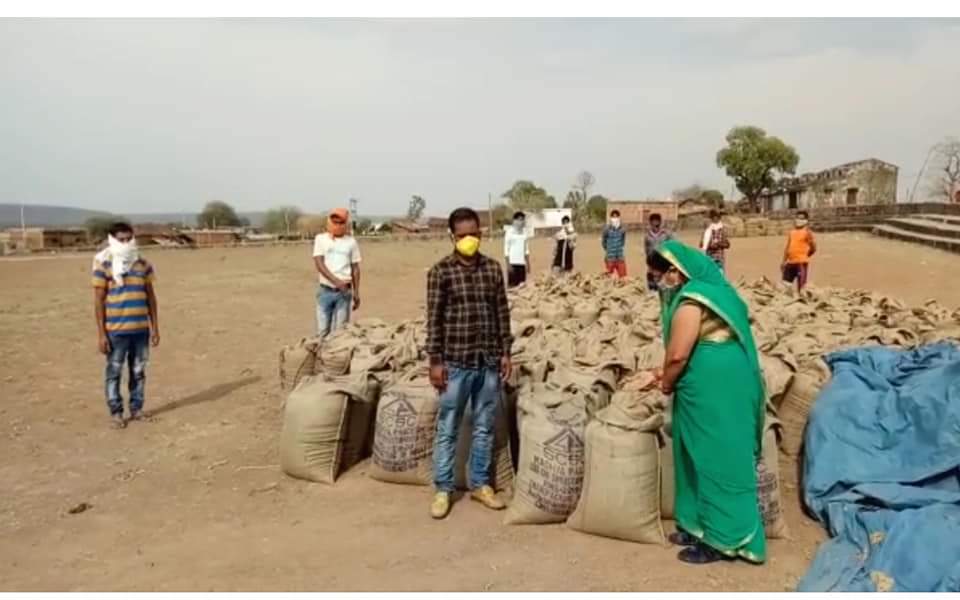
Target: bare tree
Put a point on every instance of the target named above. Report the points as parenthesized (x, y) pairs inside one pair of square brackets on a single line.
[(585, 181), (944, 177)]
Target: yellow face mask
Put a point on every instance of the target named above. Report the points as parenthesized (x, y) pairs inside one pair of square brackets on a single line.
[(468, 246)]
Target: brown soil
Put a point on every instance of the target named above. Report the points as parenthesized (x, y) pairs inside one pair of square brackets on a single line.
[(194, 500)]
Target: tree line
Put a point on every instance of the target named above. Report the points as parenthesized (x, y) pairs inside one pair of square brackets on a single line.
[(753, 159)]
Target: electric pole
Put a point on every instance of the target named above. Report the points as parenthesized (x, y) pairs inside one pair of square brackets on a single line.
[(490, 211), (353, 214)]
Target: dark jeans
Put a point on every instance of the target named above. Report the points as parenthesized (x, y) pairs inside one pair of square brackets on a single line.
[(516, 275), (134, 350), (481, 388)]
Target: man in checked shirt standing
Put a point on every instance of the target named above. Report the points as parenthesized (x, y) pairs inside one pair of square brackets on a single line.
[(468, 342)]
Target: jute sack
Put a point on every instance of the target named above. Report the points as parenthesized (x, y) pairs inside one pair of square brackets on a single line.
[(315, 427), (668, 487), (777, 376), (296, 362), (361, 418), (795, 409), (621, 484), (768, 484), (553, 311), (405, 429), (586, 312), (370, 358), (522, 311), (334, 354), (550, 472), (501, 468), (596, 385)]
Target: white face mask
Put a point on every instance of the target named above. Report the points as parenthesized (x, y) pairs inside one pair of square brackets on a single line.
[(123, 255), (615, 221)]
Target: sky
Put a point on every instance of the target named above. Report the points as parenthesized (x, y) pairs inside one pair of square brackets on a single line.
[(134, 116)]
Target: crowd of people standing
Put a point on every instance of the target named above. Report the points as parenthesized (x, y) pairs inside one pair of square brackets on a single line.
[(706, 335)]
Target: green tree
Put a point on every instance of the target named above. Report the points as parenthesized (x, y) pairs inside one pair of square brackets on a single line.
[(218, 214), (700, 195), (97, 226), (574, 200), (525, 195), (416, 208), (282, 219), (502, 214), (756, 160), (712, 198), (597, 208)]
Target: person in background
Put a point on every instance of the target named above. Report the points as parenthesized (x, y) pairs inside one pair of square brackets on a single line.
[(566, 239), (798, 251), (712, 367), (656, 235), (715, 242), (516, 249), (126, 312), (614, 240), (468, 344), (336, 256)]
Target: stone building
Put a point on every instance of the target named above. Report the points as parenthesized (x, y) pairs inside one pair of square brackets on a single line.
[(864, 182)]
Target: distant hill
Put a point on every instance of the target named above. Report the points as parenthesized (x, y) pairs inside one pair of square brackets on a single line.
[(45, 216), (37, 215)]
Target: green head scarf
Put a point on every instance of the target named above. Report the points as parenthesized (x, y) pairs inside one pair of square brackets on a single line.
[(707, 286)]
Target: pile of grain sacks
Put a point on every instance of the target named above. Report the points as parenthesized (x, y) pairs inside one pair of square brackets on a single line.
[(571, 424)]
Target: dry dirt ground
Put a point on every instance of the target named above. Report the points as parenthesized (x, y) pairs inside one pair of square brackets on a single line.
[(194, 500)]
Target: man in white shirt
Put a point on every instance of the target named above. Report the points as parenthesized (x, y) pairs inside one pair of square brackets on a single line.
[(516, 249), (336, 255)]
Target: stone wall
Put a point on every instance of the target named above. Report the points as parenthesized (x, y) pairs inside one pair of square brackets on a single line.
[(867, 182), (825, 218)]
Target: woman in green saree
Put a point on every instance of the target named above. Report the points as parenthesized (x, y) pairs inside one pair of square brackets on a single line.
[(711, 367)]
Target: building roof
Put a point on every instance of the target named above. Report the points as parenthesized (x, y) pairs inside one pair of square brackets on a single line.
[(646, 201)]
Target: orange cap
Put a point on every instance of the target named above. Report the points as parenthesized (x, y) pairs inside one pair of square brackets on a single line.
[(342, 213)]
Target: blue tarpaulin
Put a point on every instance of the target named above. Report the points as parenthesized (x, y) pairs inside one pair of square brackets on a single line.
[(882, 471)]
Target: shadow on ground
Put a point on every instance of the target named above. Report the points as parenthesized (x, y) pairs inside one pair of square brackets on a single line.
[(208, 395)]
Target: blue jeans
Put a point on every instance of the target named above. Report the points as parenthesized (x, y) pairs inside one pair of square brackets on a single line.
[(134, 350), (333, 309), (481, 387)]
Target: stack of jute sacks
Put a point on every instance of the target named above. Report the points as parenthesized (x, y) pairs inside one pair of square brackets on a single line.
[(574, 441)]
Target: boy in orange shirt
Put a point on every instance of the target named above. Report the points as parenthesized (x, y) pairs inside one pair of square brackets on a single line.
[(800, 247)]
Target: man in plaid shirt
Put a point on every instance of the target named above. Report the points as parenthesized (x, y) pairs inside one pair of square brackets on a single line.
[(468, 342)]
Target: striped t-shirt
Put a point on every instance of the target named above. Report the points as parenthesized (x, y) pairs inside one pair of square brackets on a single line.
[(126, 305)]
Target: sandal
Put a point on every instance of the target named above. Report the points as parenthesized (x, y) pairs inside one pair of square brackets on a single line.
[(682, 538), (700, 554), (117, 422)]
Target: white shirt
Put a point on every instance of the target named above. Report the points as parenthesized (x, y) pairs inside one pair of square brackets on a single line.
[(515, 246), (338, 256)]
